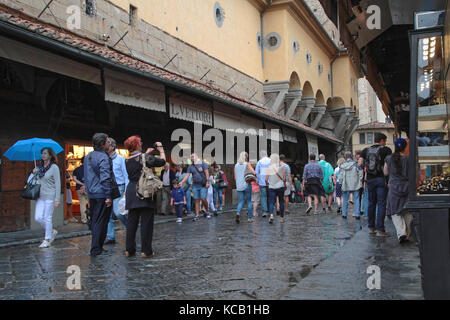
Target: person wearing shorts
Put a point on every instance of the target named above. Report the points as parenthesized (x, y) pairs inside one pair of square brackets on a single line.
[(200, 173), (312, 184)]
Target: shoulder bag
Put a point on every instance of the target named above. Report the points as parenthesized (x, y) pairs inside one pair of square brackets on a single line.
[(202, 174), (148, 184), (32, 189)]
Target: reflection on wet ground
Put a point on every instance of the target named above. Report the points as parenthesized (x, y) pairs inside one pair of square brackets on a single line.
[(209, 259)]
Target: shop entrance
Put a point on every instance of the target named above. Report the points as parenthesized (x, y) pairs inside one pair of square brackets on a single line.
[(74, 151)]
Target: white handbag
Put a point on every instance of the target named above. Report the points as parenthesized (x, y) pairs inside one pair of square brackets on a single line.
[(121, 206)]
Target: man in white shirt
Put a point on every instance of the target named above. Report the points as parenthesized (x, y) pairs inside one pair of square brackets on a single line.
[(121, 175), (260, 170)]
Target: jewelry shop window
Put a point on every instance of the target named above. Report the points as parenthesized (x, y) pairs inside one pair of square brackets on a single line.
[(432, 130)]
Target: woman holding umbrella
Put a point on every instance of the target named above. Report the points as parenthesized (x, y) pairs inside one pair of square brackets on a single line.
[(49, 196)]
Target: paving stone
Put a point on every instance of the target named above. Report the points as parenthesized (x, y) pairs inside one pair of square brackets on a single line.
[(306, 257)]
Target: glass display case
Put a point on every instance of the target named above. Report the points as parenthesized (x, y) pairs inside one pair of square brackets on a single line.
[(430, 154)]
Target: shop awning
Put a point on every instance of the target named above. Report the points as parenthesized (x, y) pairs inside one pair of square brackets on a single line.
[(20, 52), (273, 134), (132, 91), (289, 135), (228, 118)]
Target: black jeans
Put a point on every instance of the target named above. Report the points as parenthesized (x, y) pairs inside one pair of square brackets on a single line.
[(100, 215), (147, 217)]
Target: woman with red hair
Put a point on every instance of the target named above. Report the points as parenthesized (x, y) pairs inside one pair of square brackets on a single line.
[(143, 210)]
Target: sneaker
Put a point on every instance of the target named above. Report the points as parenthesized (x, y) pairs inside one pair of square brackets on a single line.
[(357, 217), (109, 241), (203, 212), (190, 214), (208, 216), (238, 218), (215, 213), (329, 209), (316, 212), (372, 231), (66, 222), (196, 218), (179, 220), (281, 220), (73, 220), (44, 244), (324, 211), (383, 234), (308, 210), (344, 217), (250, 220), (221, 209), (54, 233), (271, 218)]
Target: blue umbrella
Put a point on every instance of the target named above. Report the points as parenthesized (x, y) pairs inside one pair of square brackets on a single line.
[(30, 149)]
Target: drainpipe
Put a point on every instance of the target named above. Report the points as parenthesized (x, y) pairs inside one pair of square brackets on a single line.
[(262, 31)]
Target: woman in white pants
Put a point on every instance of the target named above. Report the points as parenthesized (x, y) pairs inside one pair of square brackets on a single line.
[(49, 196)]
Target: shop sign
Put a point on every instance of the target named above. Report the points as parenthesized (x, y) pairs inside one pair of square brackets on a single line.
[(191, 113)]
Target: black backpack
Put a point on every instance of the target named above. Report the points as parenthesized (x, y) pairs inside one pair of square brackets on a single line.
[(373, 161)]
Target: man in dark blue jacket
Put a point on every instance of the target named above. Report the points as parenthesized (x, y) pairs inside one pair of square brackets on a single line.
[(97, 178)]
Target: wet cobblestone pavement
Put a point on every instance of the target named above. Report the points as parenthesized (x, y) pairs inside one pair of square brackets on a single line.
[(209, 259)]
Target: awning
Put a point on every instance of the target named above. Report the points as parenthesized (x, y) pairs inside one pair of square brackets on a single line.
[(231, 119), (313, 147), (273, 132), (251, 125), (132, 91), (188, 110), (289, 135), (20, 52)]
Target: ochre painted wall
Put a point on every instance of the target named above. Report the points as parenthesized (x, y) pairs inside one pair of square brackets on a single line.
[(298, 63), (235, 43), (276, 61), (342, 74)]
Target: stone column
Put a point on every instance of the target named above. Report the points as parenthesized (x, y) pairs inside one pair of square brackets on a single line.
[(320, 109), (353, 125), (308, 103), (343, 113), (292, 98)]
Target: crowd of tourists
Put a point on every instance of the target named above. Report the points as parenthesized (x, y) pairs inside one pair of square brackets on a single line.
[(110, 187)]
